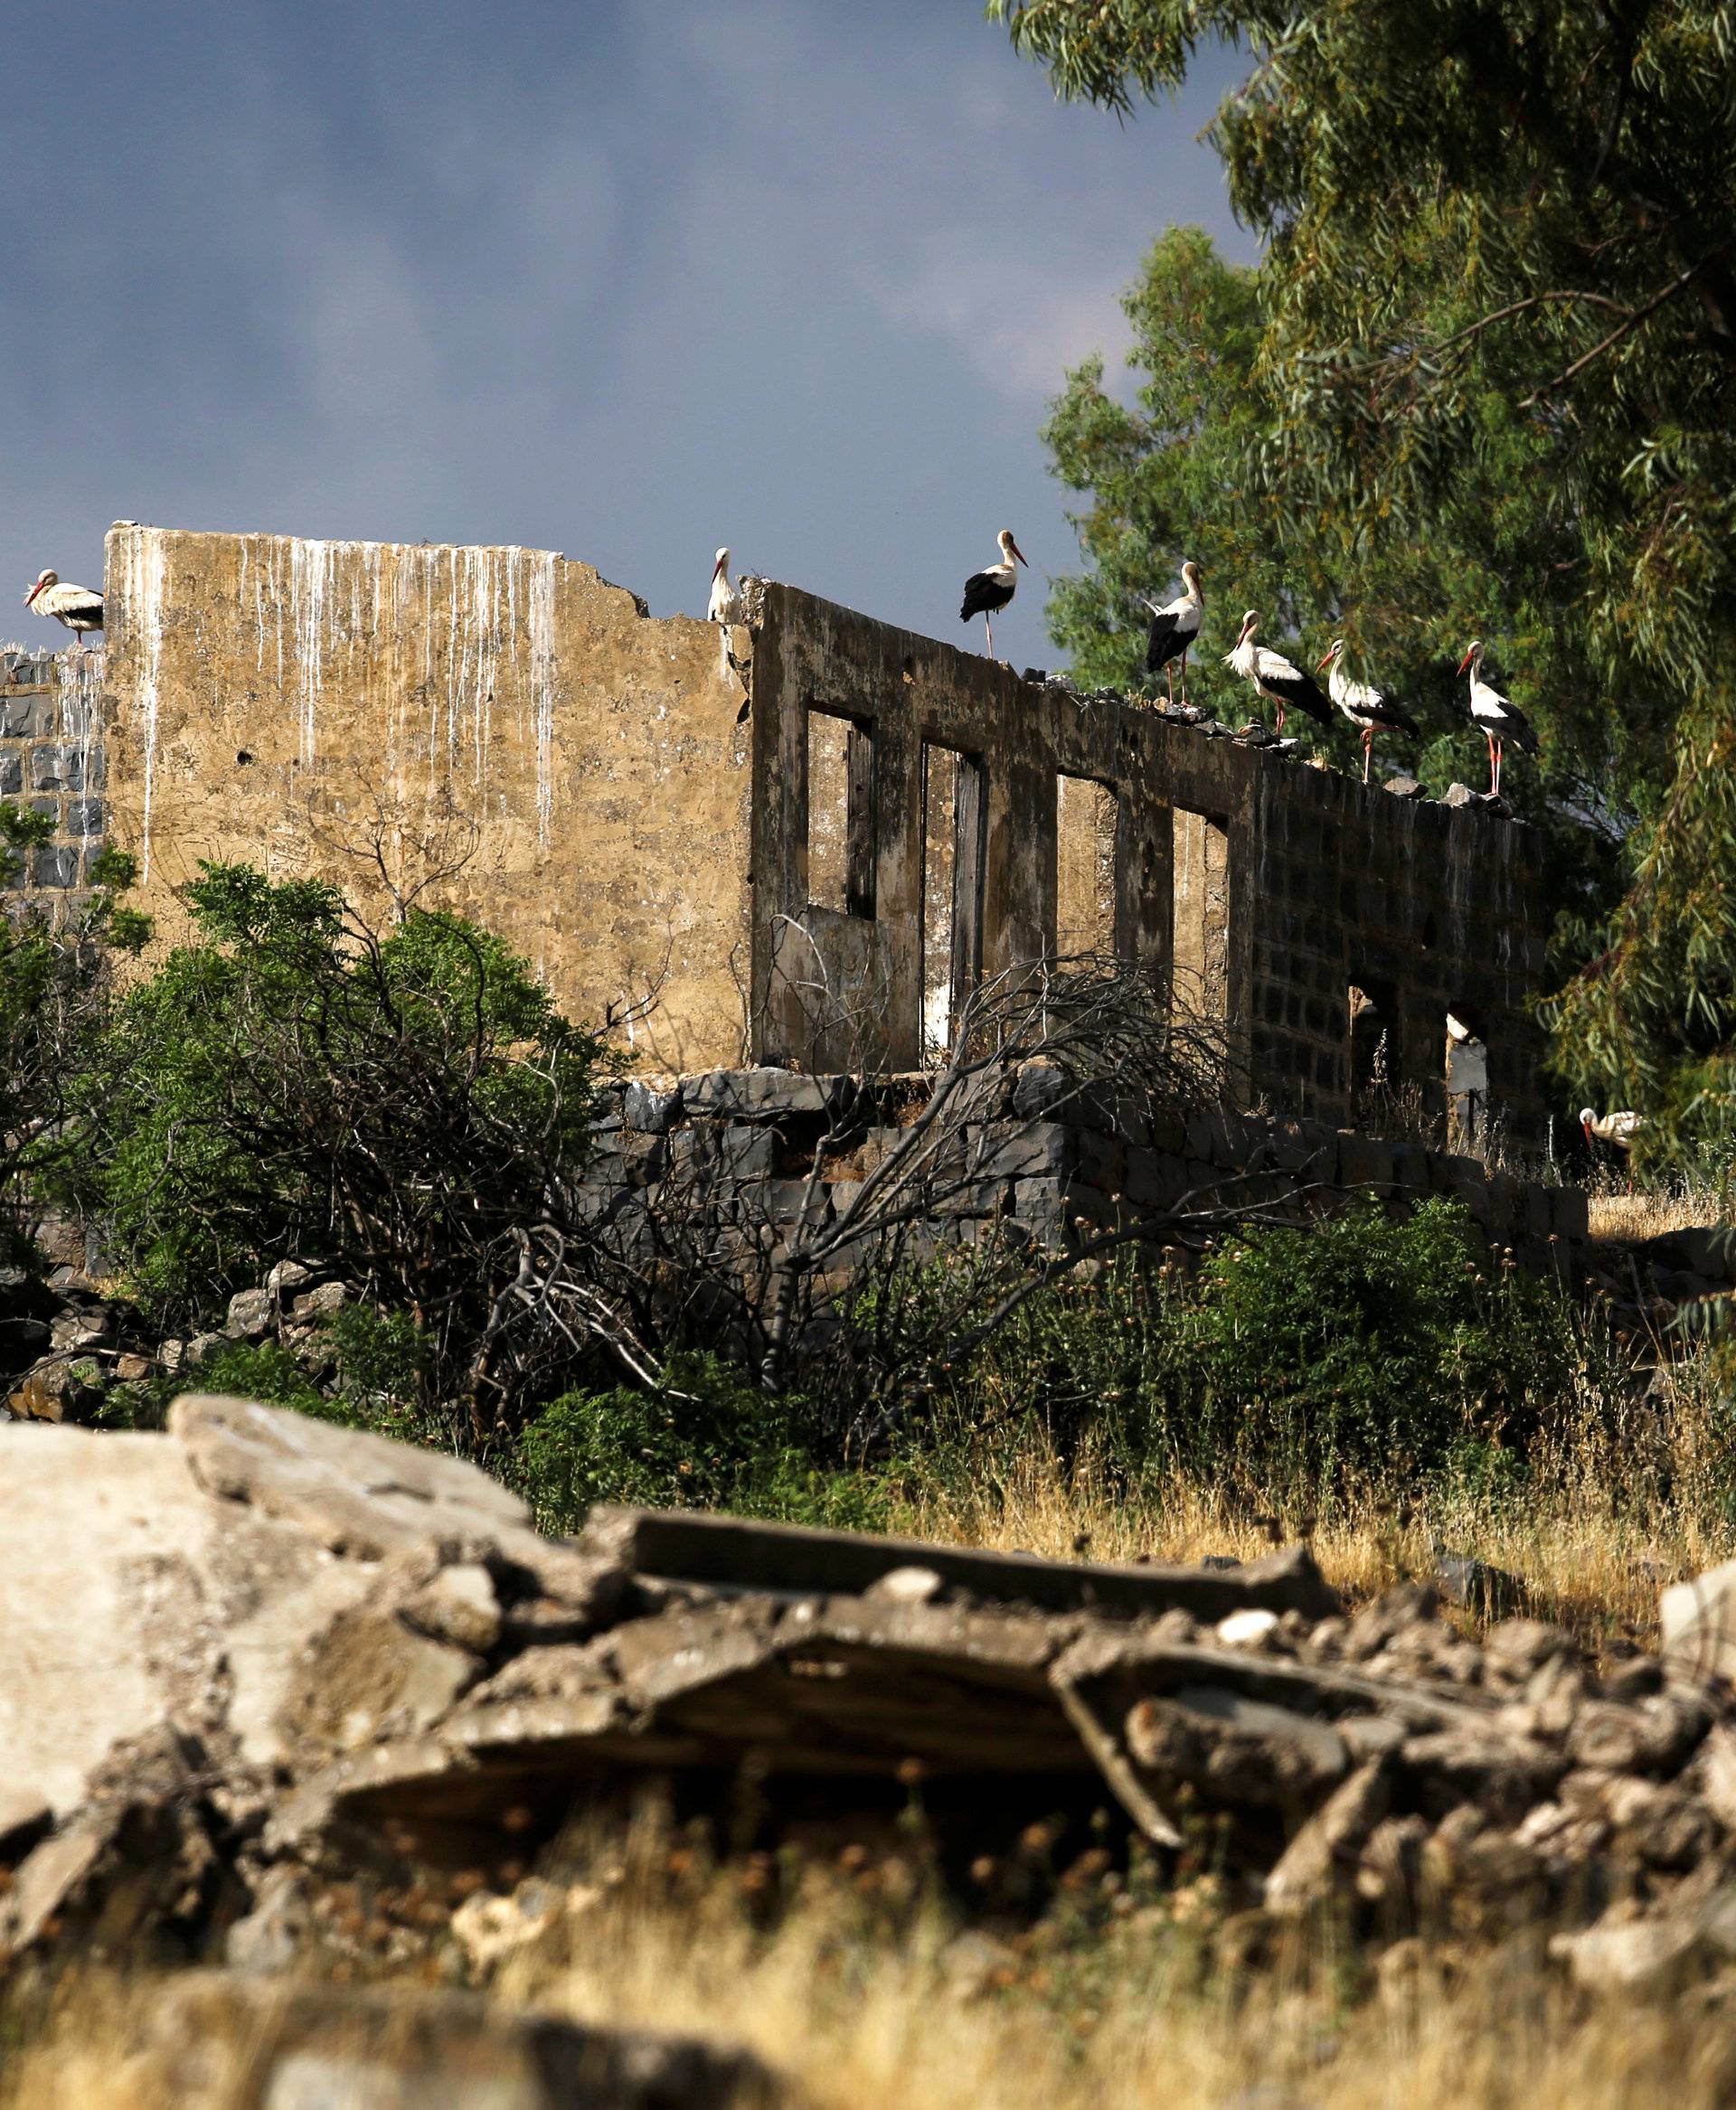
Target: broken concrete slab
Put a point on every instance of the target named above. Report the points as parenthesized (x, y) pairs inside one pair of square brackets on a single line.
[(731, 1552)]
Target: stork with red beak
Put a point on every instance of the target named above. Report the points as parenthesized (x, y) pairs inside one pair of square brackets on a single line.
[(1366, 707), (990, 591), (77, 606), (1500, 721), (725, 604), (1274, 677)]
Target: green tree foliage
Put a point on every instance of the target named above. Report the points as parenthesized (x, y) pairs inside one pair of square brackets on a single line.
[(1500, 261), (1181, 470), (291, 1083)]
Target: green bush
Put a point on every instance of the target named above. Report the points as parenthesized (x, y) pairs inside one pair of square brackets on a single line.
[(1355, 1349), (401, 1107), (708, 1439)]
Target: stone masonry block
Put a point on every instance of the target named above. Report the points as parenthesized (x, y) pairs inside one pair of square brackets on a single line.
[(1101, 1159), (1152, 1178), (1024, 1149), (28, 717), (56, 769), (647, 1109), (11, 772), (54, 865), (1567, 1212), (763, 1095), (84, 816)]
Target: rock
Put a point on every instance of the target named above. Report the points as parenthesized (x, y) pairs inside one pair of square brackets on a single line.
[(252, 1314), (1717, 1769), (171, 1354), (320, 1304), (132, 1369), (355, 1492), (287, 1277), (1324, 1852), (1476, 1586), (24, 1818), (1246, 1629), (61, 1388), (1403, 787), (229, 2038), (906, 1585), (1219, 1562), (1697, 1620), (1515, 1648), (1640, 1956), (203, 1345), (489, 1928)]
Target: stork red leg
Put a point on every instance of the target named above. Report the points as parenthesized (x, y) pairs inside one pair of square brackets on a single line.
[(1184, 673), (990, 628), (1169, 668), (1368, 750)]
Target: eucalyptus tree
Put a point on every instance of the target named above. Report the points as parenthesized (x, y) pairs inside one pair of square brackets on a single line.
[(1497, 314)]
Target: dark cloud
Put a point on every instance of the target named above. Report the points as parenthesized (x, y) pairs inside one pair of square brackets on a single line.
[(623, 280)]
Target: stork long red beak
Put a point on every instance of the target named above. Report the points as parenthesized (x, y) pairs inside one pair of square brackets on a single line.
[(716, 569), (1325, 663), (1020, 554), (34, 590), (1464, 662)]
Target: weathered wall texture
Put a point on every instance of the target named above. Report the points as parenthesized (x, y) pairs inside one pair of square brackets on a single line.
[(371, 712), (820, 884), (52, 761), (1264, 889)]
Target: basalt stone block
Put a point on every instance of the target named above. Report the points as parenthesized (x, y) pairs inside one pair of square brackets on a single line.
[(28, 717), (54, 865), (1025, 1150), (647, 1109), (83, 815), (757, 1095), (56, 769), (1363, 1162), (12, 773)]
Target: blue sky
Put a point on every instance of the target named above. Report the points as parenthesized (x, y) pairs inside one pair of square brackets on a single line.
[(625, 278)]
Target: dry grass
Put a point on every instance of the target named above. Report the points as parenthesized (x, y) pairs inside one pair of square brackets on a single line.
[(861, 2011), (1636, 1497)]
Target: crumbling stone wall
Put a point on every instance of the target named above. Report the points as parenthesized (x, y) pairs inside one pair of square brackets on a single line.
[(1263, 891), (801, 841), (1056, 1161), (52, 760)]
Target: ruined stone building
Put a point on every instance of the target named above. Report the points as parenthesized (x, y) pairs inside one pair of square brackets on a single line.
[(800, 842)]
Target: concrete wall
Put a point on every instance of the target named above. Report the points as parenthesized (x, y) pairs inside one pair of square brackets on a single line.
[(500, 725), (820, 881), (1262, 889)]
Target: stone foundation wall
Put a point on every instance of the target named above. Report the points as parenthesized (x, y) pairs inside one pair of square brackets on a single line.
[(1060, 1162)]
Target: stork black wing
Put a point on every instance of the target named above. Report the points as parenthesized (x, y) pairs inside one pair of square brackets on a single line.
[(1300, 692), (983, 593), (1164, 640), (1514, 725)]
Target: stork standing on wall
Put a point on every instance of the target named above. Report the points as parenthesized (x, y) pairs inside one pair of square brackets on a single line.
[(1274, 677), (988, 591), (1362, 704), (1500, 721), (725, 604), (1174, 627), (77, 606)]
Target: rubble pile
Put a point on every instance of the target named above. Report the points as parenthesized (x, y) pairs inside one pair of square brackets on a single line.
[(252, 1664)]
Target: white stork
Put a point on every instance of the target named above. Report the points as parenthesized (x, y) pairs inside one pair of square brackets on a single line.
[(1364, 704), (1500, 721), (1616, 1129), (1274, 677), (991, 590), (725, 604), (77, 606), (1174, 627)]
